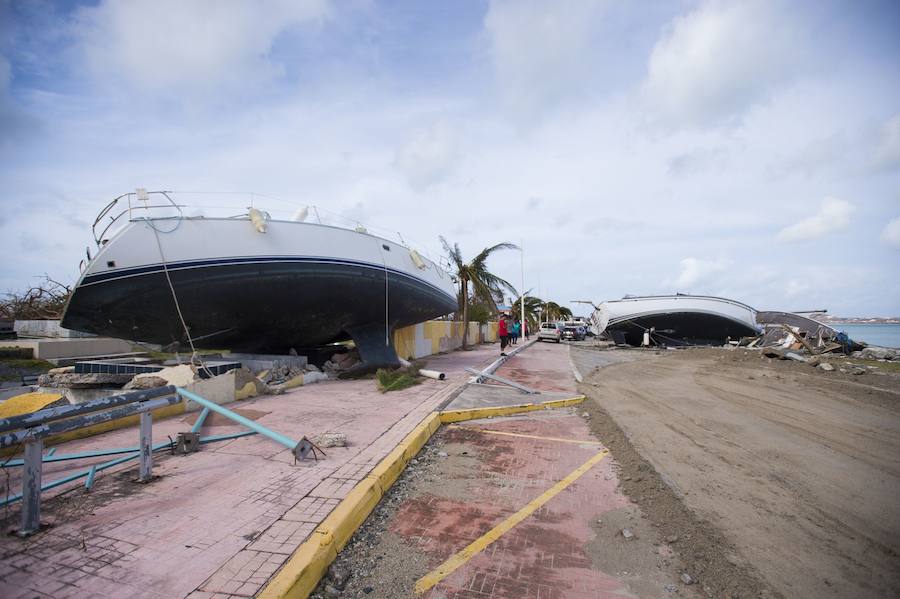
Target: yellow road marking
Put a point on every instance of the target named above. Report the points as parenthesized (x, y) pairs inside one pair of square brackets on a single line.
[(493, 432), (479, 545)]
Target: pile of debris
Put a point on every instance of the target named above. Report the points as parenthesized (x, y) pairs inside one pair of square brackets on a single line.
[(818, 361), (341, 363), (286, 376), (789, 336), (877, 353)]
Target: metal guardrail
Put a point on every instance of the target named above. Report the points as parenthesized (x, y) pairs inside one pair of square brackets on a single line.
[(30, 430), (60, 412)]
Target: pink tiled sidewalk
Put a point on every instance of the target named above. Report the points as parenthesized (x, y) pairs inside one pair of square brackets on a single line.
[(220, 522)]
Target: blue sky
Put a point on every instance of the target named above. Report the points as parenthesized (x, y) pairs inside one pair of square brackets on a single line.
[(747, 149)]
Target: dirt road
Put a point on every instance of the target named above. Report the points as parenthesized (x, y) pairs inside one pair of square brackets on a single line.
[(798, 468)]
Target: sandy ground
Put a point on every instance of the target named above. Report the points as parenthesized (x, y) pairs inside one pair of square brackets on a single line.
[(787, 475)]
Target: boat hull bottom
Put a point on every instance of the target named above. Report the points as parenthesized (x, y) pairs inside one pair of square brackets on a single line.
[(680, 329), (260, 308)]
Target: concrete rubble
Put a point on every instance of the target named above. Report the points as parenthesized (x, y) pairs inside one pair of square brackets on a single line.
[(330, 439), (341, 362), (74, 380)]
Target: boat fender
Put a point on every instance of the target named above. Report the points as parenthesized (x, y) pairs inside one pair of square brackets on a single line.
[(301, 214), (417, 259), (258, 220), (433, 374)]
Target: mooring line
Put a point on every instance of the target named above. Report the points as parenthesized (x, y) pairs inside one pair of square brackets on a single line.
[(479, 545)]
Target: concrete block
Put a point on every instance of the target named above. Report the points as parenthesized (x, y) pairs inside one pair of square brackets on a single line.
[(219, 389), (258, 362), (51, 349), (47, 328)]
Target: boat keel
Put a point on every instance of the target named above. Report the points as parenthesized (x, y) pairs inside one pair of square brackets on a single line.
[(376, 349)]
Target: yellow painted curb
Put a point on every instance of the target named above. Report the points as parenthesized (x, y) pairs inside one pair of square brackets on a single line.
[(307, 565), (305, 568), (452, 416)]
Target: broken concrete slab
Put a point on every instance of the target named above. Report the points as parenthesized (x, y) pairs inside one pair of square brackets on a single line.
[(74, 380), (878, 353)]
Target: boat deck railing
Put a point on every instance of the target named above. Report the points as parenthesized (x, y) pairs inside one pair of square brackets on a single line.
[(139, 202), (143, 204)]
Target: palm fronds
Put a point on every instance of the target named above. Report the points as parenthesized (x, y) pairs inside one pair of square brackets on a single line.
[(476, 282)]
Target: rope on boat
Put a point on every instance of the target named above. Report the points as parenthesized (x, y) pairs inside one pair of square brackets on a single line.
[(654, 333), (187, 332), (387, 326)]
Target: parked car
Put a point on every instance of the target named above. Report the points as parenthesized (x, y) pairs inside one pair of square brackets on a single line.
[(574, 333), (550, 331)]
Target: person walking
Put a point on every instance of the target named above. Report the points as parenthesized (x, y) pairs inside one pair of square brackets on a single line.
[(516, 329), (503, 333)]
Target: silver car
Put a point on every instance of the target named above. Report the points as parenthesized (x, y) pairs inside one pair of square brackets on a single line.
[(550, 331)]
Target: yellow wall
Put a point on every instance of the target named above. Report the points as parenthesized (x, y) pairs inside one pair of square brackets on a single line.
[(436, 336)]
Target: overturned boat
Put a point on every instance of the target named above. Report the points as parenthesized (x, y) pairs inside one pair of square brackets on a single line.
[(675, 320), (785, 329), (249, 283)]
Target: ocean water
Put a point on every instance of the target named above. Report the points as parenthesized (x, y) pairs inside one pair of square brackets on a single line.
[(884, 335)]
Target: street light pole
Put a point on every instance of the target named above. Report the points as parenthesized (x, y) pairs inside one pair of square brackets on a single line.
[(523, 325)]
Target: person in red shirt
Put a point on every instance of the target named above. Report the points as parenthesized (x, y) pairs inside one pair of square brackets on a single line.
[(503, 333)]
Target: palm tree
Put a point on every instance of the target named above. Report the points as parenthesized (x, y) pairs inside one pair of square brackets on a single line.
[(533, 307), (486, 287), (554, 311)]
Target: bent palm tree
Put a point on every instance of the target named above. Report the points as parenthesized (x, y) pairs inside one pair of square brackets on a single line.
[(554, 311), (533, 307), (486, 287)]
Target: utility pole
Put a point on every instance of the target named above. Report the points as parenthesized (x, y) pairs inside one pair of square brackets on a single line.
[(523, 324)]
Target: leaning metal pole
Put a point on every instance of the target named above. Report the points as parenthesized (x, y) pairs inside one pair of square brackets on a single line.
[(300, 448)]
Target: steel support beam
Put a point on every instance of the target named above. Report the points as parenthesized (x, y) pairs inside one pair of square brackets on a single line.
[(500, 379), (31, 488), (146, 472), (300, 448)]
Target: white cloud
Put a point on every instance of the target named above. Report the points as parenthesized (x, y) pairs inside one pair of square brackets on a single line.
[(177, 48), (795, 288), (891, 233), (833, 215), (716, 62), (887, 154), (540, 50), (429, 156), (387, 132), (694, 271)]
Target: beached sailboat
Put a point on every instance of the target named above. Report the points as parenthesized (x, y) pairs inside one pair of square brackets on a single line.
[(675, 319), (250, 283)]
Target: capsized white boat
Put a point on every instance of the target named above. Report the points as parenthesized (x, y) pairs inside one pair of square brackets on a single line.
[(675, 320), (250, 283)]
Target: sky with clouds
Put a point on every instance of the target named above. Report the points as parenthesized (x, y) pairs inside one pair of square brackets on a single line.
[(749, 149)]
